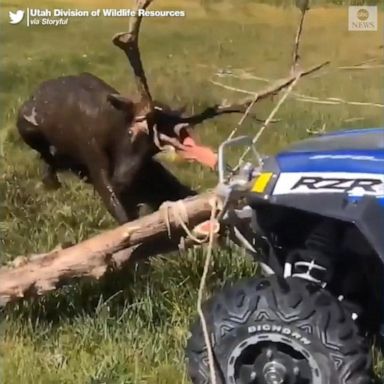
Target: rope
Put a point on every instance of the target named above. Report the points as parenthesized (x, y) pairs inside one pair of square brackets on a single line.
[(180, 214), (243, 117), (269, 119), (211, 362)]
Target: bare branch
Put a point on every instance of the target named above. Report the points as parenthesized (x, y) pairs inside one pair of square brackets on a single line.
[(214, 111), (129, 43), (362, 67), (303, 6), (301, 97), (218, 110), (336, 101), (242, 106), (270, 117), (279, 85), (230, 88)]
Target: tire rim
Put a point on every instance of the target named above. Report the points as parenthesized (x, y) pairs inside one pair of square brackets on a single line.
[(272, 359)]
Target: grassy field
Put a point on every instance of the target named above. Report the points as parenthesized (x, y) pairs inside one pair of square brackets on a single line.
[(133, 329)]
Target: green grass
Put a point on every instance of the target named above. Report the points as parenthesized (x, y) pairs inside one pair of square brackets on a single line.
[(132, 329)]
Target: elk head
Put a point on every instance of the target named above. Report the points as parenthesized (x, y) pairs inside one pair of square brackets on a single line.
[(160, 126), (163, 127)]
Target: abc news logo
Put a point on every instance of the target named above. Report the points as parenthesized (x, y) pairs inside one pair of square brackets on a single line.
[(362, 18)]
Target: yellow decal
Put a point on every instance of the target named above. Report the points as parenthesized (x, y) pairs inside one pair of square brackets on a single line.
[(262, 182)]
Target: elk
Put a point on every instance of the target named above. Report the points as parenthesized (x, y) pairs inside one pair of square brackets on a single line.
[(82, 124)]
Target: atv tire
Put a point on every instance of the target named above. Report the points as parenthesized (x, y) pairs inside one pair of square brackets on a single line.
[(272, 330)]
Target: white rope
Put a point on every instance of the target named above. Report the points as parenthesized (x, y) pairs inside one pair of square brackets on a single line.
[(207, 340), (270, 117), (243, 117), (181, 216)]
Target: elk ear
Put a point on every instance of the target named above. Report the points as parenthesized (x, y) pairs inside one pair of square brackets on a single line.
[(120, 102)]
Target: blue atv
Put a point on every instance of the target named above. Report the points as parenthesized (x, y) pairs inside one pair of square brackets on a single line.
[(314, 220)]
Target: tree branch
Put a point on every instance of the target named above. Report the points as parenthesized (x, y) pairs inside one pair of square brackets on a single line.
[(106, 252)]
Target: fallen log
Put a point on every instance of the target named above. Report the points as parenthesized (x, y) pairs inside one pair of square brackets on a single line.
[(159, 232)]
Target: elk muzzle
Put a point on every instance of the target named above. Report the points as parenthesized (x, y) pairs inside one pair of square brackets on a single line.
[(188, 148)]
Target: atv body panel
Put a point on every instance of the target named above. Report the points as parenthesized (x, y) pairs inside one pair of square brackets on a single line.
[(337, 175), (314, 222)]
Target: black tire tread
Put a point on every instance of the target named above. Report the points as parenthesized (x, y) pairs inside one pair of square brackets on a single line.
[(294, 301)]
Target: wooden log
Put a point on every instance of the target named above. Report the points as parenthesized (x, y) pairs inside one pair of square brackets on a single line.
[(111, 250)]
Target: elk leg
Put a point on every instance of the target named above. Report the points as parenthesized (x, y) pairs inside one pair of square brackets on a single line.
[(125, 184), (49, 177), (98, 166), (104, 188), (158, 185), (36, 140), (49, 168), (130, 199), (125, 174)]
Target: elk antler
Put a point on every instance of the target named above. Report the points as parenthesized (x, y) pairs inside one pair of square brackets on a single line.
[(129, 43), (241, 107), (303, 5), (271, 90)]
